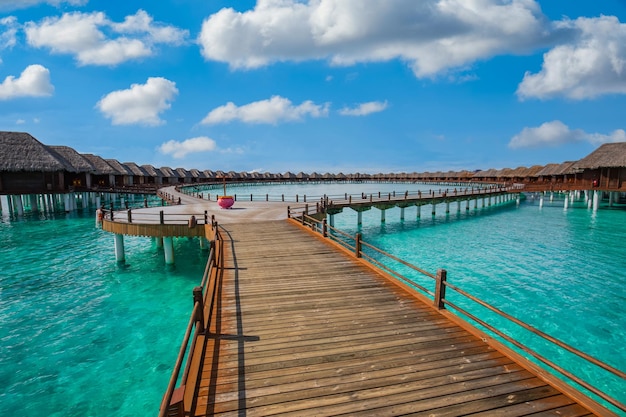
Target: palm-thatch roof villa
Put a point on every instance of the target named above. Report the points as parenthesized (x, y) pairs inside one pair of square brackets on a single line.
[(28, 166), (605, 167)]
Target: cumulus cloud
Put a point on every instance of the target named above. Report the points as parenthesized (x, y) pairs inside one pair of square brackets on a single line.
[(140, 104), (432, 36), (93, 39), (276, 109), (590, 64), (34, 81), (194, 145), (364, 109), (556, 133)]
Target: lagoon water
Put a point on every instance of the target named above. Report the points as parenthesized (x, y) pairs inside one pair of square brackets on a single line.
[(83, 336)]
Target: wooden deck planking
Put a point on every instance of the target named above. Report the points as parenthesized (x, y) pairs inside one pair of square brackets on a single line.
[(303, 329)]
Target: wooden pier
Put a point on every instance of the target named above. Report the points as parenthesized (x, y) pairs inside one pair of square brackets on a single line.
[(297, 326)]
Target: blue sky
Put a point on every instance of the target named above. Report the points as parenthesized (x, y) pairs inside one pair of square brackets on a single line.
[(320, 85)]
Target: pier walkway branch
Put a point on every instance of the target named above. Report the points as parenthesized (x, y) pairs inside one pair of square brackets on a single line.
[(296, 326)]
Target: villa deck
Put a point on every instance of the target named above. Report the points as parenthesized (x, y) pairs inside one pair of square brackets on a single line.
[(301, 328)]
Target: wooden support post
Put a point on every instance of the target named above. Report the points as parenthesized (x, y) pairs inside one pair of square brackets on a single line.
[(197, 298), (357, 245), (206, 217), (161, 217), (130, 216), (324, 228), (111, 211), (440, 288)]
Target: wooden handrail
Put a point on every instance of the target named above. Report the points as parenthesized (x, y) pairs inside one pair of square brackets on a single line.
[(197, 315), (439, 303), (543, 359)]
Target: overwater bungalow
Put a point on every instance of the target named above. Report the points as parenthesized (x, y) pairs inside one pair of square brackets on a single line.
[(604, 168), (104, 174), (154, 175), (184, 176), (123, 176), (28, 166), (168, 176), (80, 176), (139, 175), (197, 175)]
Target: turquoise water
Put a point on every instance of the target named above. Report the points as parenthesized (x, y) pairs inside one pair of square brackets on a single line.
[(80, 335), (561, 271), (83, 336)]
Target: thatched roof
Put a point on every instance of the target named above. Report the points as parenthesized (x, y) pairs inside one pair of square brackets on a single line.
[(609, 155), (76, 160), (151, 171), (196, 173), (183, 173), (102, 167), (117, 166), (168, 172), (136, 169), (19, 151)]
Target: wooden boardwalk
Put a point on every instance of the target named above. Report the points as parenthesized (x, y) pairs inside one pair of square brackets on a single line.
[(303, 329)]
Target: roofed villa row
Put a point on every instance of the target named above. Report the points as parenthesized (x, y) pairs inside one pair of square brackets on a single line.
[(29, 166)]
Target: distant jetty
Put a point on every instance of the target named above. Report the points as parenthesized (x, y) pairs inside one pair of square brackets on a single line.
[(27, 166)]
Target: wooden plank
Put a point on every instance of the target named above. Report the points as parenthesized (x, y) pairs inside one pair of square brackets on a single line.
[(303, 329)]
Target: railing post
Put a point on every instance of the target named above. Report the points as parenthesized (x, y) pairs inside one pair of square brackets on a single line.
[(130, 217), (357, 245), (197, 298), (440, 289), (161, 217), (324, 228), (206, 217), (111, 211)]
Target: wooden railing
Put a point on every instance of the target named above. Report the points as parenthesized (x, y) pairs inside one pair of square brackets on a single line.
[(350, 198), (355, 244), (178, 396)]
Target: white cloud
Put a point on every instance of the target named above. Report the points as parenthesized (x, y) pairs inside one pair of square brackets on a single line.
[(34, 81), (557, 133), (194, 145), (83, 35), (276, 109), (432, 36), (364, 109), (8, 32), (141, 22), (140, 104), (20, 121), (591, 64)]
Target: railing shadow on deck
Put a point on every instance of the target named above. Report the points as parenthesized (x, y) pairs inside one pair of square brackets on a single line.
[(439, 284)]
